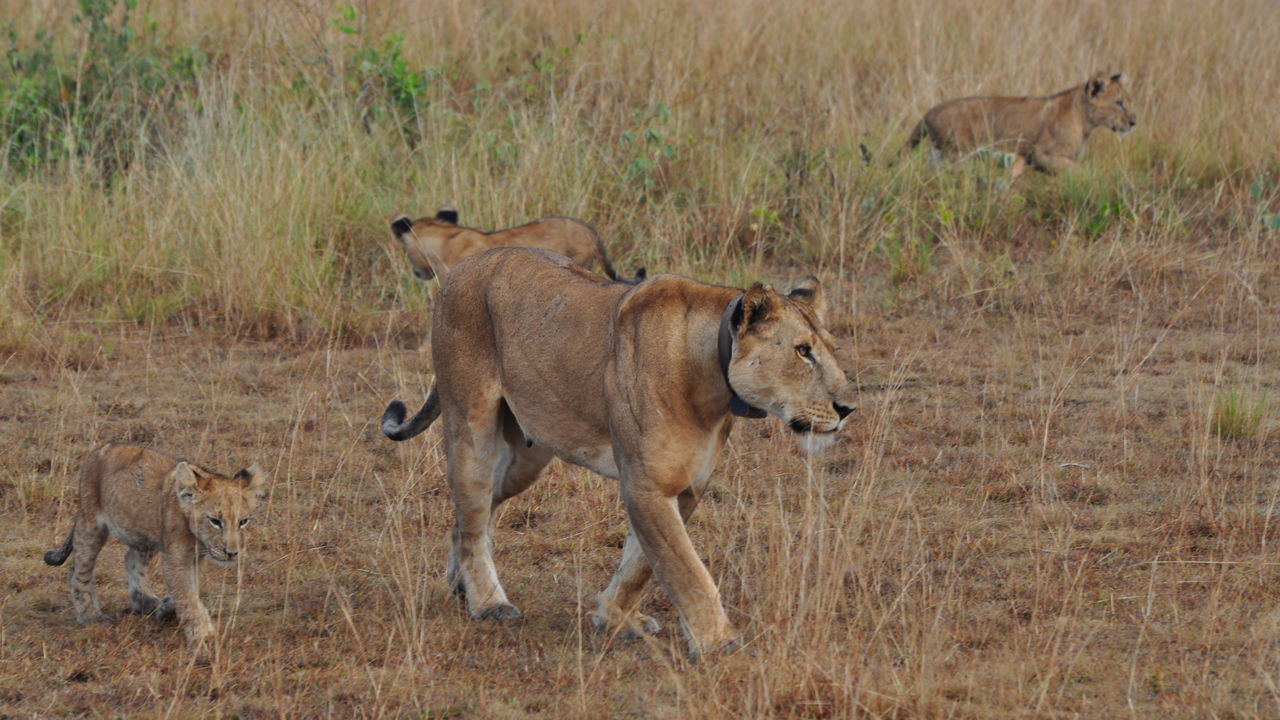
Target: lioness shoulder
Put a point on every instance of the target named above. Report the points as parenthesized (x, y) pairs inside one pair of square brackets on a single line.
[(156, 504)]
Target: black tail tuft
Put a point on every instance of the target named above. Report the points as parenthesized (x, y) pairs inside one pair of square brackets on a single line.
[(866, 153), (401, 225), (397, 428), (59, 556)]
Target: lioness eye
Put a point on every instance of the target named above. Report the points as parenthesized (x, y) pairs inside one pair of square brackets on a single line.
[(804, 351), (215, 522), (244, 522)]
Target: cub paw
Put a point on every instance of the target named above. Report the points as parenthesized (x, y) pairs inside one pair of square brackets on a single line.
[(500, 612), (142, 603)]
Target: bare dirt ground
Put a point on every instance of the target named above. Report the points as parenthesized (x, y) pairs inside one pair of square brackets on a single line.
[(1035, 515)]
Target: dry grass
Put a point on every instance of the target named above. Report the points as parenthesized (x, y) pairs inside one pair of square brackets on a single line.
[(1039, 513)]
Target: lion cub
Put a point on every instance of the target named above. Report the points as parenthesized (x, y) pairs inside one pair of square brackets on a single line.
[(1046, 132), (157, 504), (436, 244)]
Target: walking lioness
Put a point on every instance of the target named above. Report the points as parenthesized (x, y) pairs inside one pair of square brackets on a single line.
[(1047, 132), (156, 504), (537, 358), (435, 244)]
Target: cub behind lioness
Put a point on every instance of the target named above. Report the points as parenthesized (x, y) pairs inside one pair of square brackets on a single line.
[(435, 244), (1047, 132), (156, 504)]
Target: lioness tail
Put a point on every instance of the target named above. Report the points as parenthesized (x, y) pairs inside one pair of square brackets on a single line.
[(393, 422), (609, 272), (59, 556)]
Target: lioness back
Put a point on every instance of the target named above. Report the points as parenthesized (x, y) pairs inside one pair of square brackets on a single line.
[(436, 244), (156, 504)]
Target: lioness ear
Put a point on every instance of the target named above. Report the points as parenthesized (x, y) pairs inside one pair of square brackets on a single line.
[(184, 483), (253, 478), (758, 304), (1094, 87), (448, 215), (401, 225), (809, 291)]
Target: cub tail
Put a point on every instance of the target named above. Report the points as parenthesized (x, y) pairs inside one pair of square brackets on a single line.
[(59, 556), (394, 425)]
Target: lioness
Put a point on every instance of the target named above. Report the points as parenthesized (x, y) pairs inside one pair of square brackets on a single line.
[(436, 244), (155, 503), (537, 358), (1047, 132)]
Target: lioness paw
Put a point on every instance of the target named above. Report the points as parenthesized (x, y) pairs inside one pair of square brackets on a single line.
[(634, 627)]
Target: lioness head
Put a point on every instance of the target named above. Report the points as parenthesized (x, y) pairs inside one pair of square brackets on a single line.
[(1107, 103), (422, 239), (784, 362), (218, 508)]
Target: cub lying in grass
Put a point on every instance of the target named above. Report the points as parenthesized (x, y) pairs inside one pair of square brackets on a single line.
[(157, 504), (1046, 132), (435, 244)]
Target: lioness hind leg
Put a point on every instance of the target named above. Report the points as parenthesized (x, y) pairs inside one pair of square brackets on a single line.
[(479, 460), (89, 539)]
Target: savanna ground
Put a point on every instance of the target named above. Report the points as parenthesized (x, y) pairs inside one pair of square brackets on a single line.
[(1059, 497)]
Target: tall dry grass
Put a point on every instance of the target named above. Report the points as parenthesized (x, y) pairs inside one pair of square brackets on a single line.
[(702, 139)]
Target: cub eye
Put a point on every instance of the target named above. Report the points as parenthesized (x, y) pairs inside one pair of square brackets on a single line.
[(244, 521), (215, 522), (804, 351)]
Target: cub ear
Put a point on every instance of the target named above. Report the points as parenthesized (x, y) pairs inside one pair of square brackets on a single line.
[(1118, 77), (759, 304), (253, 478), (809, 291), (184, 483), (401, 225), (448, 214)]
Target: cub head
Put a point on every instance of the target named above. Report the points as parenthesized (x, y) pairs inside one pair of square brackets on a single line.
[(218, 508), (422, 239), (784, 362), (1107, 103)]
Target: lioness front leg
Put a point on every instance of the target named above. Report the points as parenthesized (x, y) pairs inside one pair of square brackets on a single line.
[(616, 606), (662, 535), (181, 574)]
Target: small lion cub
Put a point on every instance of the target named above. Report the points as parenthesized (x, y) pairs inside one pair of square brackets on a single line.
[(157, 504)]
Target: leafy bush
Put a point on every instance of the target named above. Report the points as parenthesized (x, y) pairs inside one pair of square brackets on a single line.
[(55, 105)]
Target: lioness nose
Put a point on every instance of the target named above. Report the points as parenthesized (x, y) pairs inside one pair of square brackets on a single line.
[(232, 553), (842, 410)]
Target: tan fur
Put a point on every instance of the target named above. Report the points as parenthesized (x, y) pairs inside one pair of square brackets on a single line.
[(536, 358), (156, 504), (435, 244), (1048, 133)]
